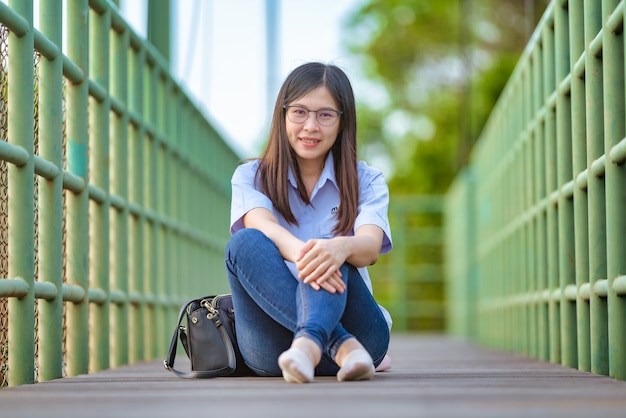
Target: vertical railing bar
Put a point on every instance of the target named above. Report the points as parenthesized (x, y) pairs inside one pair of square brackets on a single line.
[(206, 148), (615, 178), (579, 164), (502, 258), (567, 273), (487, 209), (210, 172), (183, 194), (78, 204), (511, 214), (508, 266), (136, 151), (151, 76), (196, 149), (531, 238), (522, 212), (165, 156), (470, 243), (50, 197), (173, 164), (21, 261), (517, 254), (162, 231), (538, 195), (551, 185), (595, 190), (99, 176), (204, 201), (505, 257), (514, 213), (120, 242), (177, 127), (492, 261), (527, 205)]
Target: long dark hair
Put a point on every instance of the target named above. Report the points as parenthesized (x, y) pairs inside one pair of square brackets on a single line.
[(278, 157)]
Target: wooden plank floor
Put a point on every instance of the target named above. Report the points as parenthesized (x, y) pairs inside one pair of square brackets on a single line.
[(432, 376)]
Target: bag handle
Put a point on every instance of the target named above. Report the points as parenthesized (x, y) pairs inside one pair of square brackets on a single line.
[(168, 363)]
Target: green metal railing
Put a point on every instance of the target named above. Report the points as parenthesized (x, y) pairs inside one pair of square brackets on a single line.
[(544, 200), (115, 194), (409, 281)]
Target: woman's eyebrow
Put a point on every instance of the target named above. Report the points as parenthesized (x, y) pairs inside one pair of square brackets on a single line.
[(321, 108)]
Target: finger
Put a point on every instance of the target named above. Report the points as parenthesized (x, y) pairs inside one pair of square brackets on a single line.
[(309, 262), (322, 272), (336, 282), (328, 287), (339, 284), (307, 271), (339, 280), (336, 286), (305, 249), (336, 276), (314, 270), (315, 286), (335, 289)]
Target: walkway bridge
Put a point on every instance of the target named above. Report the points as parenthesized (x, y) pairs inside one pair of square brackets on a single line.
[(114, 196)]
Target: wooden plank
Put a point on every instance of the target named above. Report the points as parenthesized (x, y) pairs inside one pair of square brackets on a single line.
[(432, 376)]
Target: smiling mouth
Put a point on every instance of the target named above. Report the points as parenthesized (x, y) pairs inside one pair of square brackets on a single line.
[(310, 141)]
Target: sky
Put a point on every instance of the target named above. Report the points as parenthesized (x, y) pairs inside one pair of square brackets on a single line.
[(219, 55)]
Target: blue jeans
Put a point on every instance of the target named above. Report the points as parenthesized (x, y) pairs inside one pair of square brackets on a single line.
[(273, 308)]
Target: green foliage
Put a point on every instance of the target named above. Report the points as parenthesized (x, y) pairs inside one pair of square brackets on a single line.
[(438, 69)]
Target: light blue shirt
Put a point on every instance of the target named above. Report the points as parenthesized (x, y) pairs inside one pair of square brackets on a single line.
[(318, 219)]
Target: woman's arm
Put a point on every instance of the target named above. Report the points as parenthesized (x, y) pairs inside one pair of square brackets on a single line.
[(364, 245), (319, 258), (289, 246), (265, 221)]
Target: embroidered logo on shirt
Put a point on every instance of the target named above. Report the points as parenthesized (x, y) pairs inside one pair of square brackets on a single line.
[(334, 210)]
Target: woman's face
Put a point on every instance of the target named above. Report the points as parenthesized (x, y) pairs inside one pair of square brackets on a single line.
[(310, 139)]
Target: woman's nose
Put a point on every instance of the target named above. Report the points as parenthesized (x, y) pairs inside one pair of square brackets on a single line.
[(311, 121)]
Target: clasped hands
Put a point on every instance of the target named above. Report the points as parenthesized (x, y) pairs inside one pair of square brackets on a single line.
[(318, 264)]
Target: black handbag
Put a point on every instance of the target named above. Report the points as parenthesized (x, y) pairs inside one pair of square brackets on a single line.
[(208, 338)]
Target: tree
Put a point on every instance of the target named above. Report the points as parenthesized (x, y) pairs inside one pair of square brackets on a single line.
[(438, 68)]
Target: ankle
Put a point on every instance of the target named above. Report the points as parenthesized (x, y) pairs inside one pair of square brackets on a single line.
[(308, 347), (356, 365), (346, 348)]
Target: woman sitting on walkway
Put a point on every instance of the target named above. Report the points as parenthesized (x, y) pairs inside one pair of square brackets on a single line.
[(307, 218)]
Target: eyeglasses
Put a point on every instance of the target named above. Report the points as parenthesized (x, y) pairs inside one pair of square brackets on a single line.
[(325, 117)]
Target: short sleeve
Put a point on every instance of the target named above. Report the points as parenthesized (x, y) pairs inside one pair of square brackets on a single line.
[(374, 203), (245, 196)]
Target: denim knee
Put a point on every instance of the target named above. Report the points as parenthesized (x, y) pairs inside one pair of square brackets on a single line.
[(243, 237)]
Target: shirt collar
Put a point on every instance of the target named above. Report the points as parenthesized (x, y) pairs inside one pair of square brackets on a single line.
[(328, 174)]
